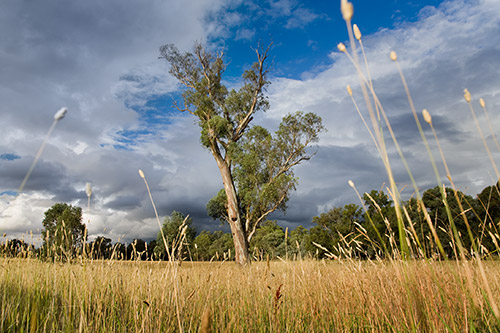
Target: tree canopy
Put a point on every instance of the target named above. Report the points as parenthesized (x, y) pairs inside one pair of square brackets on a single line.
[(178, 234), (63, 230), (255, 166)]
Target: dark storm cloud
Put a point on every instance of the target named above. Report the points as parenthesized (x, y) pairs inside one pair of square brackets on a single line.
[(123, 202), (408, 135)]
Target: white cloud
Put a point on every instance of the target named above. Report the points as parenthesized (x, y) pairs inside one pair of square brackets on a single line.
[(450, 48), (245, 34), (300, 18)]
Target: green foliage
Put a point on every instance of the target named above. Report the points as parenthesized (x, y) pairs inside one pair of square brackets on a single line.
[(340, 221), (217, 207), (220, 113), (297, 243), (268, 240), (256, 166), (488, 207), (172, 229), (319, 236), (213, 246), (432, 199), (63, 230), (263, 165), (381, 224)]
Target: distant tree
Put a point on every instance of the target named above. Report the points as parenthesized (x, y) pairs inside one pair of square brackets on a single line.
[(137, 250), (213, 246), (433, 201), (340, 223), (16, 248), (321, 237), (488, 214), (172, 228), (381, 224), (489, 204), (202, 244), (151, 249), (63, 230), (269, 240), (256, 167), (297, 242), (119, 251), (222, 244), (421, 238), (101, 248)]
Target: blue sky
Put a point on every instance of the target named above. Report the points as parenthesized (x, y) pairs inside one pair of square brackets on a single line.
[(305, 32), (100, 59)]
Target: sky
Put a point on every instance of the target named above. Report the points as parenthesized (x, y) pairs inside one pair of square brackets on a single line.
[(100, 59)]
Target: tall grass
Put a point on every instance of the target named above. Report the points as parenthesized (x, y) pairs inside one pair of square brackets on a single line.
[(381, 123), (322, 296)]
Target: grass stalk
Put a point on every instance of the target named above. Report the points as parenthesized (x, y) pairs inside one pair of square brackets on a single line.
[(58, 116)]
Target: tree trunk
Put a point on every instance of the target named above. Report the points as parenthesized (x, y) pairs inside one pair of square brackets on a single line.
[(233, 212)]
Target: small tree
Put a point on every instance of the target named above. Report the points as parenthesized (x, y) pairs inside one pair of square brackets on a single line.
[(63, 230), (255, 166), (172, 228)]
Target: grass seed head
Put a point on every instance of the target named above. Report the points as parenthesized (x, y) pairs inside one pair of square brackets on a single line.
[(357, 33), (349, 90), (60, 114), (427, 116), (88, 189), (341, 47), (481, 102), (393, 56), (467, 95), (347, 9), (141, 173), (351, 184)]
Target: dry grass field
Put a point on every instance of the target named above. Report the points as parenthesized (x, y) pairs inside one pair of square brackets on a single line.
[(319, 296)]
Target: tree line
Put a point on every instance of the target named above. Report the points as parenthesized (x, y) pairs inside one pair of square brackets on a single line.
[(351, 230)]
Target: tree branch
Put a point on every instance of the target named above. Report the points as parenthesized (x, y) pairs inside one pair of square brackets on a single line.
[(265, 214), (261, 58), (186, 108), (204, 60)]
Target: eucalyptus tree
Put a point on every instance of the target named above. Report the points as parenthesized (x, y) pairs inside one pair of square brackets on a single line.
[(255, 166)]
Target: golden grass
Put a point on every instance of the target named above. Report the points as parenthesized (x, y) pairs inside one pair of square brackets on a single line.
[(345, 296)]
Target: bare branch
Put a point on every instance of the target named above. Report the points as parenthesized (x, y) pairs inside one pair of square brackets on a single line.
[(186, 108), (264, 215), (261, 81)]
